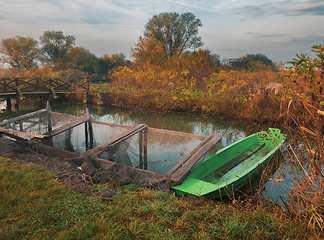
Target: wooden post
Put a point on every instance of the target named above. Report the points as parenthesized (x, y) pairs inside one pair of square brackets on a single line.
[(48, 141), (110, 151), (86, 99), (20, 126), (5, 85), (90, 128), (14, 125), (140, 144), (86, 135), (49, 120), (17, 104), (145, 147), (68, 144), (52, 92), (19, 93), (37, 84), (8, 104)]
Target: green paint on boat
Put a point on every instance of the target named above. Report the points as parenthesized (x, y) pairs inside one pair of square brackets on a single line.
[(231, 167)]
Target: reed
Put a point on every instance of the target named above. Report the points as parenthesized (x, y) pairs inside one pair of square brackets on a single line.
[(304, 117)]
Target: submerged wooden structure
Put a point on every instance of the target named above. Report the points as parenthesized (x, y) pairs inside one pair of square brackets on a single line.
[(138, 148)]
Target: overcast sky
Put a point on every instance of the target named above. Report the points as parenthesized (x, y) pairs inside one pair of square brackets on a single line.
[(231, 28)]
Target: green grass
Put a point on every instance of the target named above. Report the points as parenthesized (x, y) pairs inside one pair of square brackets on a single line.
[(35, 206)]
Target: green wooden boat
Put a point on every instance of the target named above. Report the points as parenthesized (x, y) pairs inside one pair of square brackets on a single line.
[(231, 167)]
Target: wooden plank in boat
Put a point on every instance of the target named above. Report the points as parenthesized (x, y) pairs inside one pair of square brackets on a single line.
[(182, 172)]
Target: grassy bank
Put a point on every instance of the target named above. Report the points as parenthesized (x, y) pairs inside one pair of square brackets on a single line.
[(35, 206)]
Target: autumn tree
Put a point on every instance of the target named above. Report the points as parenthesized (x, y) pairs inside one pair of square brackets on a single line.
[(150, 51), (169, 34), (55, 46), (107, 63), (82, 59), (20, 52), (255, 62)]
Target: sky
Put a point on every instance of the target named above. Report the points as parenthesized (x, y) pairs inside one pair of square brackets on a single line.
[(231, 28)]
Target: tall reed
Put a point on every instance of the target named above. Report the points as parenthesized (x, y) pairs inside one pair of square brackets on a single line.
[(305, 121)]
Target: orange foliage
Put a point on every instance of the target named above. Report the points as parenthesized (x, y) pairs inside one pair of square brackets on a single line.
[(46, 71)]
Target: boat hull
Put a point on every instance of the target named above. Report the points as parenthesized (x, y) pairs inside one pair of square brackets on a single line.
[(230, 168)]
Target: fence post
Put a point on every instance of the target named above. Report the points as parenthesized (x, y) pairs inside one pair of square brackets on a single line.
[(140, 143), (145, 146)]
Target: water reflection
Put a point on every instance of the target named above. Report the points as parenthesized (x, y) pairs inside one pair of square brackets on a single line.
[(231, 131)]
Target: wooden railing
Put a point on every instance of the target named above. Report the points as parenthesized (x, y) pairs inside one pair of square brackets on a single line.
[(35, 86)]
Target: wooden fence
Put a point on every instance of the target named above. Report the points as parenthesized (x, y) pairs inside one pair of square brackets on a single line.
[(21, 87)]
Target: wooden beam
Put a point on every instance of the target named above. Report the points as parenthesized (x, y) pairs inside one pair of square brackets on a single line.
[(181, 170), (14, 136), (106, 164), (103, 147), (110, 124), (67, 126), (186, 158), (90, 128), (22, 133), (18, 91), (145, 147), (188, 135), (49, 120), (52, 92), (140, 150), (33, 114)]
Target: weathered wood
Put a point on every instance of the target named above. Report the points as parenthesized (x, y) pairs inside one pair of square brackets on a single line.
[(22, 133), (13, 136), (36, 145), (8, 104), (181, 171), (140, 144), (115, 140), (90, 128), (86, 135), (185, 159), (65, 127), (145, 147), (110, 124), (52, 92), (21, 96), (188, 135), (28, 115), (106, 164), (22, 87), (49, 120)]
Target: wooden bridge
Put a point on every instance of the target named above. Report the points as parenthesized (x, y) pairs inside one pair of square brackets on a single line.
[(20, 88)]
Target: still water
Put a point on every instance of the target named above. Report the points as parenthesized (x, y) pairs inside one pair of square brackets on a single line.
[(231, 131)]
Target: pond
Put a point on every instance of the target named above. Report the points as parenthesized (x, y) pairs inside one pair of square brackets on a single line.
[(231, 131)]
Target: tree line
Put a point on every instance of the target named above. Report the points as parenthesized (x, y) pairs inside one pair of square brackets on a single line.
[(169, 39), (58, 50)]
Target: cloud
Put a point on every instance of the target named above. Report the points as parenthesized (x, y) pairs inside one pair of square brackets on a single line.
[(310, 8), (262, 35), (230, 27), (259, 9)]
